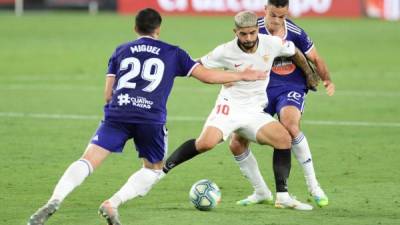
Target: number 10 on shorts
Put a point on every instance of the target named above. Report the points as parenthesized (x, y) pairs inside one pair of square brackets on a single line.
[(224, 109)]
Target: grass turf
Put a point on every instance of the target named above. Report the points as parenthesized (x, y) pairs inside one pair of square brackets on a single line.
[(54, 64)]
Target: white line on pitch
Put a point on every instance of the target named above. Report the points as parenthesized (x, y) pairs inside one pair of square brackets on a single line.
[(58, 88), (194, 119)]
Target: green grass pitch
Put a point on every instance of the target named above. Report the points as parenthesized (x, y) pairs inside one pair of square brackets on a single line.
[(51, 86)]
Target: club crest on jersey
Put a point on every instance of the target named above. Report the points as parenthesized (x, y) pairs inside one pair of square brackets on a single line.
[(266, 57)]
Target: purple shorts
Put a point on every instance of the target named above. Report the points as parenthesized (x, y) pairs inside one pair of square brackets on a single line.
[(150, 139), (278, 98)]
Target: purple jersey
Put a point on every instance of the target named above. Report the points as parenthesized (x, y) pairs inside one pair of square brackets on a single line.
[(144, 71), (284, 72)]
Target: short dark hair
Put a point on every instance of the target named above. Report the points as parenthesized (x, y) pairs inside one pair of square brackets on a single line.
[(278, 3), (147, 21)]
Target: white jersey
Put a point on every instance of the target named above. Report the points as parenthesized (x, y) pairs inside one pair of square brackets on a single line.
[(230, 57)]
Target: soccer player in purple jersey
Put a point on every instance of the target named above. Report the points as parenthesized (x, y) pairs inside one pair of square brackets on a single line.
[(286, 93), (139, 80)]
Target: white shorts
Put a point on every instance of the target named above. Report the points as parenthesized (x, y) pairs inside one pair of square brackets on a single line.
[(244, 119)]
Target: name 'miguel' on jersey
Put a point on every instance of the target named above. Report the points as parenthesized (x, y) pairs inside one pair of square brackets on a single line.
[(144, 70)]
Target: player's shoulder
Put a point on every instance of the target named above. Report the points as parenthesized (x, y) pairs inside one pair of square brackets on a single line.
[(269, 42), (293, 27), (265, 38), (123, 46), (226, 47)]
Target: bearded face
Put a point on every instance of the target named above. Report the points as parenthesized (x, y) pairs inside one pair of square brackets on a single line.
[(247, 37)]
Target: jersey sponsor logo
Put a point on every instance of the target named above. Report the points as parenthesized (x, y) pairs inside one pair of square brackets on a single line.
[(138, 101), (237, 65), (283, 66)]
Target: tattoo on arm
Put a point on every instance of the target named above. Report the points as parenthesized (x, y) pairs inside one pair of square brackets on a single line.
[(312, 78), (300, 60)]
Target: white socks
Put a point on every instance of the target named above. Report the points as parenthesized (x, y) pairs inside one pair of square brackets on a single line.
[(72, 178), (282, 196), (249, 167), (302, 152), (139, 184)]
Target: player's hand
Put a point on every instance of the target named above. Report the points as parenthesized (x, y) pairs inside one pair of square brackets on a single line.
[(312, 77), (249, 74), (329, 87), (312, 81)]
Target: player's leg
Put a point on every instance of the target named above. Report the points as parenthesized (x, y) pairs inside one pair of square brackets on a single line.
[(75, 174), (219, 125), (79, 170), (138, 185), (207, 140), (107, 139), (248, 165), (274, 134), (290, 116), (152, 144), (265, 130)]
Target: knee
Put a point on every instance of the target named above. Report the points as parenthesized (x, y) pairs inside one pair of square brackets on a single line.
[(237, 147), (284, 142), (292, 128), (203, 145), (153, 166)]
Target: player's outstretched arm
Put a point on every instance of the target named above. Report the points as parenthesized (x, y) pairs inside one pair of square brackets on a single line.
[(110, 79), (322, 71), (300, 60), (220, 77)]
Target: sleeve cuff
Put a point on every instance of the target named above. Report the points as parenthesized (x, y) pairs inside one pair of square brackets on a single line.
[(191, 69)]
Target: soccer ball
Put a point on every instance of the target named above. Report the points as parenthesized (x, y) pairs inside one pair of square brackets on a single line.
[(205, 195)]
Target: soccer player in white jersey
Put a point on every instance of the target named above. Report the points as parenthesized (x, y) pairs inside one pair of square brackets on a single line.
[(239, 107), (136, 110), (286, 94)]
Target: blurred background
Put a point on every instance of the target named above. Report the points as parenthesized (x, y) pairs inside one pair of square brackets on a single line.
[(386, 9)]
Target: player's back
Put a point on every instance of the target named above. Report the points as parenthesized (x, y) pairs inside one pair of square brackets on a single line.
[(144, 70), (284, 72)]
